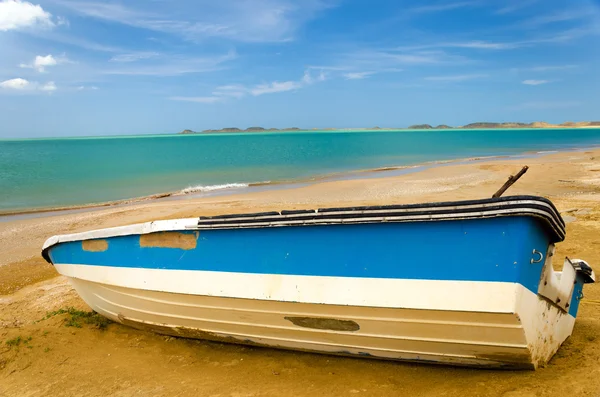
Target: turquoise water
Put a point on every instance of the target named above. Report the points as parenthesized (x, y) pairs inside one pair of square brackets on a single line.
[(39, 173)]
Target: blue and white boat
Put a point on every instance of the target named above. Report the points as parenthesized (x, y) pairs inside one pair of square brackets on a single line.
[(462, 283)]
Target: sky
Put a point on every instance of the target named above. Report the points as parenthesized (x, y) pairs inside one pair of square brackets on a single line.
[(81, 68)]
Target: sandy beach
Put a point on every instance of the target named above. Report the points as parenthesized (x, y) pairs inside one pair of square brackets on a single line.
[(52, 359)]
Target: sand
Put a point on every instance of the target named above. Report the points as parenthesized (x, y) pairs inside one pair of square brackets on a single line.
[(120, 361)]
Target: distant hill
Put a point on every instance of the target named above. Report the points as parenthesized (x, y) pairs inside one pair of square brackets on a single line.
[(233, 129), (477, 125), (496, 125)]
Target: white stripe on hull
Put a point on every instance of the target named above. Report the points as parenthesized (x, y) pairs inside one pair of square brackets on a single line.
[(354, 291), (515, 328)]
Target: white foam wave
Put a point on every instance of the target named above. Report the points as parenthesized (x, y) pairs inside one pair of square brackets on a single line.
[(210, 188)]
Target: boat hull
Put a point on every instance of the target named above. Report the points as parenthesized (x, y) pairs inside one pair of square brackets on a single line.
[(512, 337), (469, 284)]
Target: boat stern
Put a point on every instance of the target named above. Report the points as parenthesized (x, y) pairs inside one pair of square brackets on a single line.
[(548, 318)]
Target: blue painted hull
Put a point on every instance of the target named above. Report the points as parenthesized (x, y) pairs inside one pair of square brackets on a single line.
[(496, 249)]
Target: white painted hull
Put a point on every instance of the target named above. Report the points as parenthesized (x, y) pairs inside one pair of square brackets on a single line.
[(524, 331)]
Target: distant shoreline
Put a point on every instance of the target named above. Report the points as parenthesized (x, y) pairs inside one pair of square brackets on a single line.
[(478, 126)]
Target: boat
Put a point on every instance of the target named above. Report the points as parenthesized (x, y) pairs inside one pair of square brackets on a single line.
[(466, 283)]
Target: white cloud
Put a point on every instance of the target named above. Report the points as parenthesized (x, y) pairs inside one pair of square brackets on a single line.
[(49, 86), (19, 84), (15, 84), (41, 62), (199, 99), (460, 77), (357, 75), (17, 14), (134, 56), (535, 82)]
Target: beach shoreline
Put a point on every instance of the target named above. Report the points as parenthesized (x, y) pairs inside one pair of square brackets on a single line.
[(242, 188), (126, 361)]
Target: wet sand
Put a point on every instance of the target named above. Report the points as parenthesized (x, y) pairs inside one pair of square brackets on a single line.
[(60, 360)]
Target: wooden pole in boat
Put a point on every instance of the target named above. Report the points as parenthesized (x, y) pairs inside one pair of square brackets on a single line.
[(511, 179)]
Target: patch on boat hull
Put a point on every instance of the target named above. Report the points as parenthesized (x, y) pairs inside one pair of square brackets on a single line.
[(330, 324), (98, 245), (184, 241)]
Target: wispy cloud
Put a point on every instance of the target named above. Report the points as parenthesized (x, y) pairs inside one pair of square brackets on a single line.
[(545, 68), (249, 21), (547, 105), (456, 78), (230, 90), (567, 15), (87, 87), (484, 45), (439, 7), (393, 60), (78, 42), (49, 86), (357, 75), (17, 14), (473, 44), (134, 56), (174, 65), (198, 99), (283, 86), (562, 36), (274, 87), (535, 82), (225, 92), (516, 6), (548, 68)]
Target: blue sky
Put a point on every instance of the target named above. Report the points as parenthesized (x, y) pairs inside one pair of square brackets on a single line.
[(70, 67)]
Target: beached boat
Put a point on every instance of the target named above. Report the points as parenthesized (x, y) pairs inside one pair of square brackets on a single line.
[(462, 283)]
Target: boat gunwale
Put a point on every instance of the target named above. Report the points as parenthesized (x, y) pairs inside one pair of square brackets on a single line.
[(533, 206)]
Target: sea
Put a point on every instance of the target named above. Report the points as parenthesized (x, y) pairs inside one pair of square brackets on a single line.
[(62, 172)]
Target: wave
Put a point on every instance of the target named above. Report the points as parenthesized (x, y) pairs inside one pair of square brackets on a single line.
[(210, 188)]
